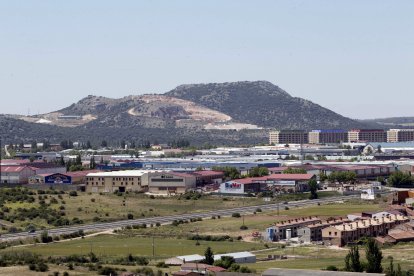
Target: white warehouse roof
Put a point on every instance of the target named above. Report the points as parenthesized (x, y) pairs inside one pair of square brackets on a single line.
[(236, 255), (127, 173)]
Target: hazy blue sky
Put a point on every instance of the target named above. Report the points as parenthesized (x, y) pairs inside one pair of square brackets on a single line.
[(354, 57)]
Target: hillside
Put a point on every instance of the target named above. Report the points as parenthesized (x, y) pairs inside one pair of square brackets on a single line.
[(226, 113), (395, 122), (262, 103)]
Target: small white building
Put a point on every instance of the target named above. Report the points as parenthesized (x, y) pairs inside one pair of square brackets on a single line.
[(240, 257)]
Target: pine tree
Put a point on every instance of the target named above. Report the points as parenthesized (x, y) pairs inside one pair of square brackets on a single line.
[(352, 261), (209, 256), (92, 163), (62, 161), (374, 257)]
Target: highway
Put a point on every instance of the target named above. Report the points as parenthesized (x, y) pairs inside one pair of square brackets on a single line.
[(169, 219)]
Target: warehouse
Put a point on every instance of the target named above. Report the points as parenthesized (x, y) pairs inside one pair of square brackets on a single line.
[(122, 181), (16, 174), (275, 182), (167, 183)]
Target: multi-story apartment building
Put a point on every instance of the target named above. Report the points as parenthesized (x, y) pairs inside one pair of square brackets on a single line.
[(313, 232), (288, 137), (345, 233), (400, 135), (367, 135), (328, 136)]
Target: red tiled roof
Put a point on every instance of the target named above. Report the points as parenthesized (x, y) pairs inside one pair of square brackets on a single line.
[(208, 173), (401, 235), (14, 168)]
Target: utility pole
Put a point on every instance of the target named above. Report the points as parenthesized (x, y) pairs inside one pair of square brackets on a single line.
[(153, 247)]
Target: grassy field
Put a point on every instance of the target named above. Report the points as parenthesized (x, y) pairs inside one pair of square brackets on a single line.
[(170, 241), (115, 246), (108, 207), (258, 221)]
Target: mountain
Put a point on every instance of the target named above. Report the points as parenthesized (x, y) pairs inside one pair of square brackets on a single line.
[(262, 103), (226, 113), (394, 122)]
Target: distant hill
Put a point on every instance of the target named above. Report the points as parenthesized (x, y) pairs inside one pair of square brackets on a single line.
[(224, 113), (395, 122), (263, 103)]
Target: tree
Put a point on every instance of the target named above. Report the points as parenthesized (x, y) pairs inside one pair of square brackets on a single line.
[(104, 144), (374, 257), (92, 163), (78, 160), (123, 144), (400, 179), (258, 171), (291, 170), (209, 256), (62, 161), (229, 172), (88, 144), (379, 149), (225, 262), (313, 188), (33, 146), (352, 261)]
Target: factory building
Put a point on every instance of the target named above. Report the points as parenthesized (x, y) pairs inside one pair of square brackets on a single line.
[(167, 183), (16, 174), (122, 181)]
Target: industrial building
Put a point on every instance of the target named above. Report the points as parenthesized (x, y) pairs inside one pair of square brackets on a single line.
[(122, 181), (328, 136), (288, 137), (78, 177), (16, 174), (277, 182), (167, 183), (367, 135), (400, 135)]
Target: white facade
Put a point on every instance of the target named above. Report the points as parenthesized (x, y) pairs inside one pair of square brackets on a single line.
[(231, 187)]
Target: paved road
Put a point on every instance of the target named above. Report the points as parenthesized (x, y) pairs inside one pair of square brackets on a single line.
[(169, 219)]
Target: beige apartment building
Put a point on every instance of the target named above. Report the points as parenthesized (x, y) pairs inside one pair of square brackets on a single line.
[(328, 136), (288, 137), (343, 234), (367, 135), (400, 135)]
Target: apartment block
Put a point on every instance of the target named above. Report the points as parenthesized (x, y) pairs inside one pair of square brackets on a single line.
[(328, 136), (400, 135), (367, 135), (313, 232), (345, 233), (288, 137), (289, 229)]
